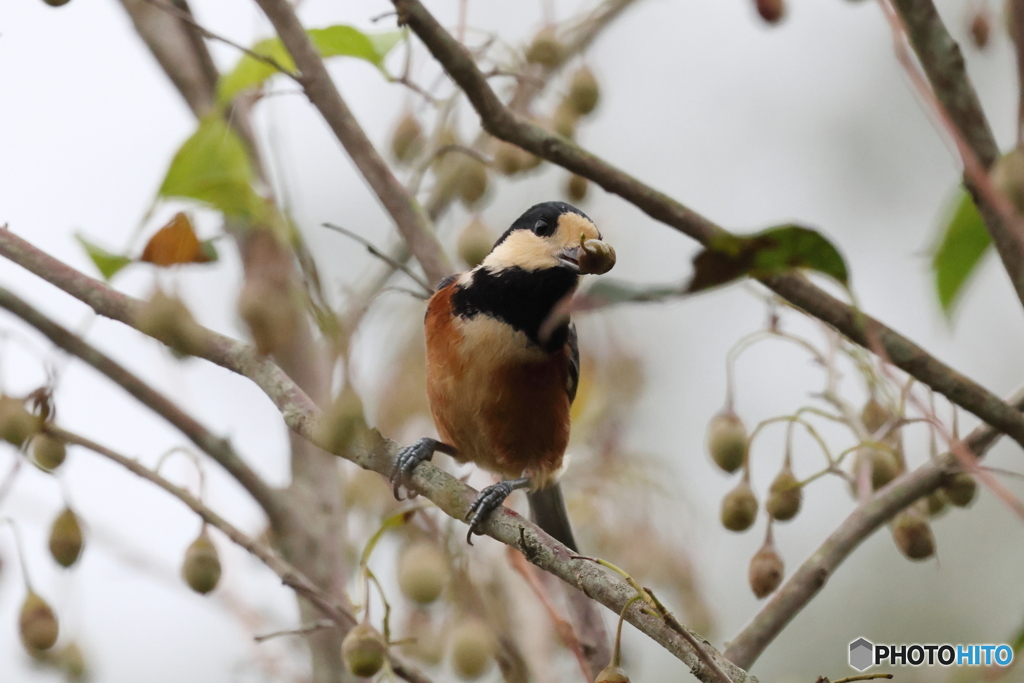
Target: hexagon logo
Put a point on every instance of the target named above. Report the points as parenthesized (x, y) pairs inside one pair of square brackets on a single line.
[(861, 654)]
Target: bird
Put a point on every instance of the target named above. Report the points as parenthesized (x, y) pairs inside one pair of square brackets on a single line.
[(503, 366)]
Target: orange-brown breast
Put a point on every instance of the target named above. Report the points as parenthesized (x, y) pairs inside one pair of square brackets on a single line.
[(501, 401)]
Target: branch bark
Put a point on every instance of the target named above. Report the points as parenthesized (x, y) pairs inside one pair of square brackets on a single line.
[(943, 63), (857, 326), (409, 216), (452, 496), (217, 448), (812, 575), (290, 575)]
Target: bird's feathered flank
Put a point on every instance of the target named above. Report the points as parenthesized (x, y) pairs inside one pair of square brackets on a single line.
[(500, 399)]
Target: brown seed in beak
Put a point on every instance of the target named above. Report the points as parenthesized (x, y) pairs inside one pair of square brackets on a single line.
[(596, 257)]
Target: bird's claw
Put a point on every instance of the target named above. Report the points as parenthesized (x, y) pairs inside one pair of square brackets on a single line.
[(489, 500), (407, 460)]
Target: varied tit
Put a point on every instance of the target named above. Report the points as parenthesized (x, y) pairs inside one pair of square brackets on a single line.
[(500, 376)]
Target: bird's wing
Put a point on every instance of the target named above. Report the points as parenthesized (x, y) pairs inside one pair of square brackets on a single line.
[(572, 347)]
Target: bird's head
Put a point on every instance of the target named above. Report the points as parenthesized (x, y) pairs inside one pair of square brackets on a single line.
[(552, 235)]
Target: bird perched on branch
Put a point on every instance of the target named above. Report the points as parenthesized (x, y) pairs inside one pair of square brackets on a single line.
[(502, 371)]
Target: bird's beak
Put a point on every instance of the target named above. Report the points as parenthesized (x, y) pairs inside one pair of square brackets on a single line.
[(569, 258)]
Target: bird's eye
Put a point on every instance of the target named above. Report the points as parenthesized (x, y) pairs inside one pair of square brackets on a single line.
[(542, 228)]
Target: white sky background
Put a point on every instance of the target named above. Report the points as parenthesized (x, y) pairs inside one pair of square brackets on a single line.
[(810, 121)]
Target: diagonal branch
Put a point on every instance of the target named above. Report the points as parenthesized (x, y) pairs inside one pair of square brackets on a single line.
[(812, 575), (217, 448), (943, 63), (410, 218), (451, 495), (290, 575), (857, 326)]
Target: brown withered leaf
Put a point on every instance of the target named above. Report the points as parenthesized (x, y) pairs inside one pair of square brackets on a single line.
[(175, 243)]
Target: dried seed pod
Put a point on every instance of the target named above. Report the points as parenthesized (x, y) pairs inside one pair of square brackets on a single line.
[(167, 319), (739, 508), (771, 11), (596, 257), (343, 424), (727, 440), (16, 423), (472, 181), (66, 538), (913, 535), (937, 503), (363, 650), (446, 160), (48, 452), (407, 140), (472, 648), (612, 674), (766, 571), (426, 640), (584, 92), (37, 623), (785, 496), (268, 311), (564, 121), (961, 489), (508, 158), (201, 567), (873, 415), (422, 572), (71, 661), (884, 465), (474, 243), (981, 28), (545, 49), (1008, 176), (576, 188)]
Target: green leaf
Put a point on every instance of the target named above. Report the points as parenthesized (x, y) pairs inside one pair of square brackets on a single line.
[(771, 252), (333, 41), (250, 71), (963, 242), (213, 167), (106, 262)]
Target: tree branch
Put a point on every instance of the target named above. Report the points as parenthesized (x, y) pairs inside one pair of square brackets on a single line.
[(290, 575), (409, 216), (812, 575), (217, 448), (857, 326), (943, 63), (451, 495)]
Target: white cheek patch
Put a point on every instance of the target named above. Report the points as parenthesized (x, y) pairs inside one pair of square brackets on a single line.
[(524, 249), (571, 226)]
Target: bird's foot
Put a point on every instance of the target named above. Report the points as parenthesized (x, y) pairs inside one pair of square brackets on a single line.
[(411, 456), (490, 499)]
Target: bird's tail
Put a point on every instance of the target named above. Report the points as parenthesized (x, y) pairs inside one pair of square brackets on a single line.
[(547, 507)]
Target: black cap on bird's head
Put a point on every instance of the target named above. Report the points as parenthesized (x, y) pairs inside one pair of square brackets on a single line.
[(552, 235)]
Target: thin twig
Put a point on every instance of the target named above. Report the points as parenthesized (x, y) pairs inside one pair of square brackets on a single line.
[(190, 20), (501, 122), (289, 574), (302, 415), (309, 628), (410, 218), (810, 578), (216, 447), (382, 256), (953, 100)]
